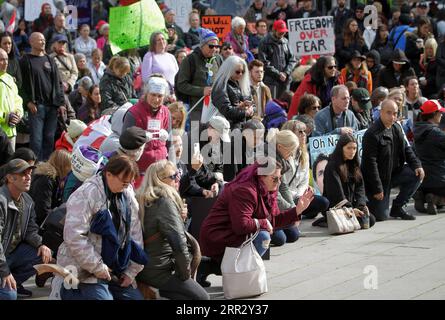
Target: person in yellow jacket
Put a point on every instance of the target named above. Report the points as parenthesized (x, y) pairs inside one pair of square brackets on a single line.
[(11, 110)]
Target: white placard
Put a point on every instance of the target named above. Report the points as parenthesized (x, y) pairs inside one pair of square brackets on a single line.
[(33, 8), (311, 36), (182, 8)]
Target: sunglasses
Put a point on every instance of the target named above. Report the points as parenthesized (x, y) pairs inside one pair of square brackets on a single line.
[(239, 72), (315, 108), (213, 46), (227, 48), (276, 179), (331, 67), (301, 132), (174, 176)]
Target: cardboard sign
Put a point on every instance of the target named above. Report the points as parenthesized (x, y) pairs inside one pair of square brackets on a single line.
[(309, 36), (182, 8), (33, 8), (221, 25)]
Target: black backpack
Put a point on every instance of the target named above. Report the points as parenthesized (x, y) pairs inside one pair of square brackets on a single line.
[(52, 228), (179, 95)]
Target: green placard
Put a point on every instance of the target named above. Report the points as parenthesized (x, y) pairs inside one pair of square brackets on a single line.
[(131, 26)]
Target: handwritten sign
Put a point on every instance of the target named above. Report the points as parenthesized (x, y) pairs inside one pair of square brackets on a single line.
[(309, 36), (326, 144), (33, 8), (182, 8), (221, 25)]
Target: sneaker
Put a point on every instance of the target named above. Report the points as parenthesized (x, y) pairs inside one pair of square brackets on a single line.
[(400, 212), (22, 292), (41, 278)]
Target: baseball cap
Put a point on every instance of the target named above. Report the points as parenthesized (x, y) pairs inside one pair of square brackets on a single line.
[(60, 38), (280, 26), (221, 125), (431, 106), (362, 96), (16, 166)]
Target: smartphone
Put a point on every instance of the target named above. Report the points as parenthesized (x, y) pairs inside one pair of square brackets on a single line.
[(196, 150)]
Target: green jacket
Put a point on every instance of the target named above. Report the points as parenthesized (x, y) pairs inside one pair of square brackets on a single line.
[(10, 101)]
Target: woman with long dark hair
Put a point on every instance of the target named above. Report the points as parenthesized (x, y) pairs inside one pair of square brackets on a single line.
[(383, 44), (357, 71), (90, 109), (343, 179), (7, 44), (351, 40)]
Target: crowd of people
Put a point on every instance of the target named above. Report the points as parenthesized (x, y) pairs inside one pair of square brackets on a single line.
[(124, 144)]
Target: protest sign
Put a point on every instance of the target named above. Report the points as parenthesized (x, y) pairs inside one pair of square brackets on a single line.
[(326, 144), (33, 8), (131, 26), (310, 36), (221, 25), (83, 11), (182, 8)]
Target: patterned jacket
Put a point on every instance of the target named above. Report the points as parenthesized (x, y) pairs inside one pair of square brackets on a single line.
[(81, 249)]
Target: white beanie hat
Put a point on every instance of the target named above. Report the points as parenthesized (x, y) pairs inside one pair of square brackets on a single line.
[(157, 85), (75, 128)]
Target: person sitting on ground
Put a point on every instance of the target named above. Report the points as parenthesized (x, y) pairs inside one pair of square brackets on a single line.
[(106, 270), (309, 104), (343, 180), (21, 245), (361, 106), (90, 109), (246, 205), (70, 136), (162, 213), (429, 142)]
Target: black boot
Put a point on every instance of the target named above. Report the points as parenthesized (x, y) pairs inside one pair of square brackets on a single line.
[(400, 212), (207, 267), (419, 201), (430, 202)]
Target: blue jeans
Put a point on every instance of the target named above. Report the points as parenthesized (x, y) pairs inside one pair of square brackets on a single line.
[(43, 127), (20, 263), (408, 183), (262, 242), (100, 291), (317, 205), (289, 235)]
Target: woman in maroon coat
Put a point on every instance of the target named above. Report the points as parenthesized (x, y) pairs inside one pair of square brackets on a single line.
[(247, 203)]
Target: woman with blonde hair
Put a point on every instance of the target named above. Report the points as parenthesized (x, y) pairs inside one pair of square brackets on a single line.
[(178, 114), (48, 182), (116, 86), (162, 214), (428, 67)]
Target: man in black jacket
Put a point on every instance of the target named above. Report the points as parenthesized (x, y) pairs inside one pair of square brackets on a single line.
[(42, 94), (385, 151), (20, 244)]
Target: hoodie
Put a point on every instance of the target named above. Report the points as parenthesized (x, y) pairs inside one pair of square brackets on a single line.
[(429, 142), (388, 77), (275, 115), (374, 54)]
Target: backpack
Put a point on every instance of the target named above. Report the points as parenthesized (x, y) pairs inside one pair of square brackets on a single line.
[(52, 228), (179, 95)]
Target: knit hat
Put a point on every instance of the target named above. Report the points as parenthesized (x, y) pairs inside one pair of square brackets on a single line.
[(221, 125), (75, 128), (206, 35), (86, 161), (133, 138), (101, 25)]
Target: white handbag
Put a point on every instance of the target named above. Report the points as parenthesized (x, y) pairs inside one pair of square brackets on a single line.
[(341, 219), (243, 271)]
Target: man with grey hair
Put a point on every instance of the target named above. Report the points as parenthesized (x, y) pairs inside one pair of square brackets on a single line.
[(336, 118)]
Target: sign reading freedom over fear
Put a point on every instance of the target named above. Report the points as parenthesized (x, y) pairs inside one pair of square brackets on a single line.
[(221, 25), (310, 36)]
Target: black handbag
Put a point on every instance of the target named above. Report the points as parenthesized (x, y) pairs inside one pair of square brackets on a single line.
[(52, 228)]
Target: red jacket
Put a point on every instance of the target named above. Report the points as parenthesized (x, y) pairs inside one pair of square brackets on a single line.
[(232, 218), (64, 142), (155, 149)]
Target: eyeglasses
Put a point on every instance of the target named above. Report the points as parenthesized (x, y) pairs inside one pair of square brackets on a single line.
[(331, 67), (227, 48), (239, 72), (213, 46), (276, 179), (301, 132)]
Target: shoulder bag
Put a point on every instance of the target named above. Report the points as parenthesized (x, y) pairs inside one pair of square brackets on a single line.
[(341, 219)]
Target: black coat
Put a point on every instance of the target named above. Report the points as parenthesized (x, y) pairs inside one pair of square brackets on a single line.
[(335, 190), (14, 71), (378, 158), (343, 53), (386, 77), (429, 141), (5, 149), (115, 91), (227, 101)]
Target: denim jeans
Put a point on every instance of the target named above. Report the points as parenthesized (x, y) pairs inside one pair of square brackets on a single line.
[(262, 242), (285, 235), (317, 205), (43, 127), (100, 291), (20, 263), (408, 183)]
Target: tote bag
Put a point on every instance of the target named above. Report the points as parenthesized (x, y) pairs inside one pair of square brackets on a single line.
[(243, 271), (342, 220)]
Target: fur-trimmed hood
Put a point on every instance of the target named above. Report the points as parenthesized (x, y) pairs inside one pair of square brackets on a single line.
[(46, 169)]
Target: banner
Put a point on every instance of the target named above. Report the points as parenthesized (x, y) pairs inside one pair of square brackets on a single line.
[(131, 26), (311, 36), (83, 11), (326, 144), (182, 8), (33, 8), (221, 25)]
